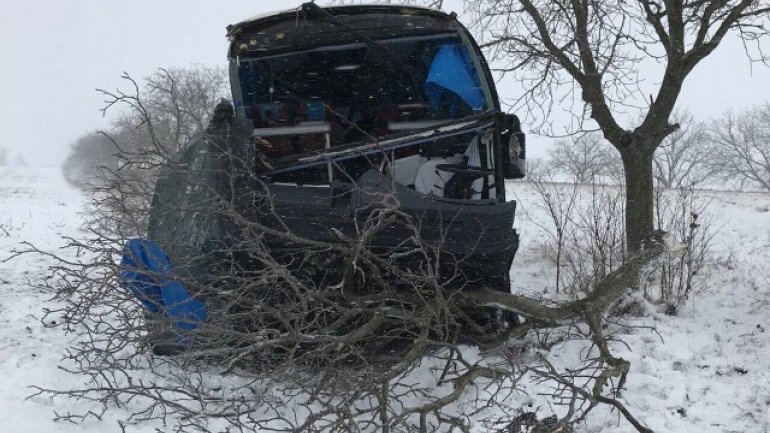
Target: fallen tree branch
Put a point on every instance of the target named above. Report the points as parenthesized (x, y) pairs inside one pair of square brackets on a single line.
[(604, 294), (588, 310)]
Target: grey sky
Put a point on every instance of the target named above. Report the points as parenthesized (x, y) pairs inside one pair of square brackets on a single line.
[(53, 53)]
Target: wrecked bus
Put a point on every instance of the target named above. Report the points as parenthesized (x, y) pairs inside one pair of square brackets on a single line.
[(335, 108)]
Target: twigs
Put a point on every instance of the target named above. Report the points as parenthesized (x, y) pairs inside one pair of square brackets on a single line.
[(325, 333)]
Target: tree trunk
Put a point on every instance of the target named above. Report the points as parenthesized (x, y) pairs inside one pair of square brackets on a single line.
[(640, 198)]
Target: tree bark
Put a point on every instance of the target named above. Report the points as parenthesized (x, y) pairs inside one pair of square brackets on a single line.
[(640, 197), (603, 294)]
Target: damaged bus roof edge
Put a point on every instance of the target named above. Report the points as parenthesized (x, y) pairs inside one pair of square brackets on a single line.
[(232, 29)]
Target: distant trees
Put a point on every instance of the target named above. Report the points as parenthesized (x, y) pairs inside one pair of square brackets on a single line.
[(732, 151), (160, 115), (90, 153), (740, 146), (585, 158), (683, 159), (5, 158)]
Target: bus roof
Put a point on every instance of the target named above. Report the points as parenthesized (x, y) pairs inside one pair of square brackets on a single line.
[(233, 29)]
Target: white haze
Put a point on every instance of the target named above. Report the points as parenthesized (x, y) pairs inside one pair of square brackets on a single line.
[(53, 54)]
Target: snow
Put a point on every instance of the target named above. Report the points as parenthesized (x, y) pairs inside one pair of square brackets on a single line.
[(35, 206), (705, 370)]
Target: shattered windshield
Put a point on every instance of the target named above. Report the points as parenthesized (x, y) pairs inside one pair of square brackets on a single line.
[(356, 91), (343, 83)]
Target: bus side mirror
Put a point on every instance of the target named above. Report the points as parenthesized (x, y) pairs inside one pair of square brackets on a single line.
[(514, 146)]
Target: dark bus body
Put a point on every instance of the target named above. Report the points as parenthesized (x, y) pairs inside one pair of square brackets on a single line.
[(340, 111)]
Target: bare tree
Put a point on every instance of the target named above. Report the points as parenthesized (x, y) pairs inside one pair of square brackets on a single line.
[(557, 200), (683, 214), (596, 246), (683, 159), (586, 158), (181, 101), (585, 239), (3, 156), (176, 104), (740, 146), (566, 50)]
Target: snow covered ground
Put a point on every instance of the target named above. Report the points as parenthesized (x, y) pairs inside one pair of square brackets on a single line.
[(708, 368), (36, 206), (705, 370)]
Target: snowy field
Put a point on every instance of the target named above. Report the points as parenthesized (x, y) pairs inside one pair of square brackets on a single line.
[(35, 206), (705, 370)]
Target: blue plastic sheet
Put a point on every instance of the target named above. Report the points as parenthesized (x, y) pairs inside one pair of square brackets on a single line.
[(453, 71), (147, 272)]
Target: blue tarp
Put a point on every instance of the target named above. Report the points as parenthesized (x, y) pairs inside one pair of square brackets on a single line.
[(147, 272), (453, 71)]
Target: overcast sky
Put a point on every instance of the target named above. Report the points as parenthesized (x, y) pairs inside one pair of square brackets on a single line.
[(54, 53)]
